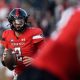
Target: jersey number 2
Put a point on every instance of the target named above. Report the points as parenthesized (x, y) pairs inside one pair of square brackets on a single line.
[(18, 54)]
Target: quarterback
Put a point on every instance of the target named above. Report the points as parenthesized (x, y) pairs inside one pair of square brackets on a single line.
[(22, 39)]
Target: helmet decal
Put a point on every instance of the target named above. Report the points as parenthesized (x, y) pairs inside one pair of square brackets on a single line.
[(17, 12)]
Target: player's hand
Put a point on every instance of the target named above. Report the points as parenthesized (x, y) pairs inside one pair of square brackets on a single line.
[(4, 54), (27, 60)]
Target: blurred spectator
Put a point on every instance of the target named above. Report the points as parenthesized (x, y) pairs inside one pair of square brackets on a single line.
[(63, 5), (14, 4), (3, 14), (38, 4), (47, 23), (3, 9), (59, 8), (48, 19), (32, 21)]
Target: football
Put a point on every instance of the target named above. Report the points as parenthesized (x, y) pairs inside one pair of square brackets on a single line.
[(10, 59)]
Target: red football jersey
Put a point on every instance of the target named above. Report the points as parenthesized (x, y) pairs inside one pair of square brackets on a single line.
[(25, 44), (60, 55)]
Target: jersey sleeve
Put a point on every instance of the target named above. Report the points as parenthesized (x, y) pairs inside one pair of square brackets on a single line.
[(38, 36)]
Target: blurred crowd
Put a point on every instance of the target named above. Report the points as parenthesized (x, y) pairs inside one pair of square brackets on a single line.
[(43, 13)]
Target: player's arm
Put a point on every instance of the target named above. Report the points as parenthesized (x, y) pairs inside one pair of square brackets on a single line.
[(1, 52), (3, 57), (4, 45), (37, 39)]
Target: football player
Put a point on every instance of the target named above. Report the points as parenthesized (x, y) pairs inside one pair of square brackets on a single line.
[(22, 39)]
